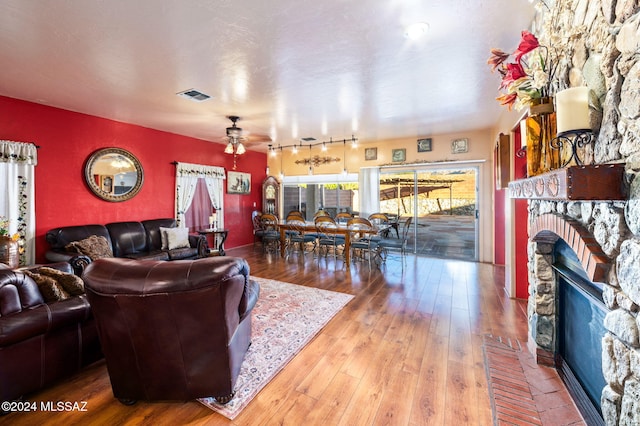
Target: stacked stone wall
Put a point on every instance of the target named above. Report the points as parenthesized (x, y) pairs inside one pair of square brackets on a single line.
[(598, 42)]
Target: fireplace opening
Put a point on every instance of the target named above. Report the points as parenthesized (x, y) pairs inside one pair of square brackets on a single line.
[(580, 328)]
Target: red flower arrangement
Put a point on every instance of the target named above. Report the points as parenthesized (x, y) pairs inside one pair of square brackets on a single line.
[(528, 77)]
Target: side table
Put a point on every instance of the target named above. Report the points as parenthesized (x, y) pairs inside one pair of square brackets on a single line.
[(219, 237)]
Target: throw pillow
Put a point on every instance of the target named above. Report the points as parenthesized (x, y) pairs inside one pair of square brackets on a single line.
[(163, 237), (177, 238), (71, 283), (94, 246), (51, 291)]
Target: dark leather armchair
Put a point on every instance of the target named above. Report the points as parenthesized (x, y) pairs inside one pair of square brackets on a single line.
[(41, 342), (172, 330)]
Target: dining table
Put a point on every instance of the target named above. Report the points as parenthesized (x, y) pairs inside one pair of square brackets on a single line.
[(340, 229)]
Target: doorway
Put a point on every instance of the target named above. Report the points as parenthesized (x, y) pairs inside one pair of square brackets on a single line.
[(443, 203)]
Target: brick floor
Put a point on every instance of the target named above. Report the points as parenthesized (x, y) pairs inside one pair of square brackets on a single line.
[(523, 392)]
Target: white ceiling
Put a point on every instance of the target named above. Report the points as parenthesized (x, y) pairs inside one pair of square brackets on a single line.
[(289, 68)]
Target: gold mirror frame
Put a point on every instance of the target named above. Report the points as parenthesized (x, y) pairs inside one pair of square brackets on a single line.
[(113, 174)]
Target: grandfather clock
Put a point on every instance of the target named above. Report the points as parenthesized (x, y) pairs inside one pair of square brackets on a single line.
[(271, 196)]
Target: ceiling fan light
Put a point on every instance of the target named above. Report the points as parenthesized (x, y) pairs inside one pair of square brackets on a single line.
[(229, 148), (240, 149), (416, 31), (234, 132)]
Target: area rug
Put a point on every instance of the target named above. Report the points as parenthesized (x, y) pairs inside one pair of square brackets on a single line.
[(286, 317)]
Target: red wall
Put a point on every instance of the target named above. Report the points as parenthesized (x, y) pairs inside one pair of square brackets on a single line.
[(66, 140), (499, 196)]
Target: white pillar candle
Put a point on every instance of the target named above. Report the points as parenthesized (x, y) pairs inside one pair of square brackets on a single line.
[(523, 133), (572, 106)]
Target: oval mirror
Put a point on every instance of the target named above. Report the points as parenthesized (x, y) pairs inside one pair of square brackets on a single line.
[(113, 174)]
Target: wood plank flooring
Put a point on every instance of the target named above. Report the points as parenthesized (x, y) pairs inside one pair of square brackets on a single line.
[(407, 350)]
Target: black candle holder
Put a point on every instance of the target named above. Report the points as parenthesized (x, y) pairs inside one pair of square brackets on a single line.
[(576, 139)]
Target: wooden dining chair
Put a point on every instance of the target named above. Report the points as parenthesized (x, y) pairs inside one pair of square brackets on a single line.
[(343, 217), (271, 234), (362, 246), (294, 213), (299, 237), (257, 226), (328, 237), (320, 213)]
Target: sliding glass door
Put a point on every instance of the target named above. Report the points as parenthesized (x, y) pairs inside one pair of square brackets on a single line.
[(442, 201)]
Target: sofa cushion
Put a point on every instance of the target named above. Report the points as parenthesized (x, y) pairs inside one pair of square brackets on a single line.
[(71, 283), (154, 255), (59, 238), (164, 244), (128, 238), (94, 246), (152, 226), (49, 288), (176, 237), (183, 253)]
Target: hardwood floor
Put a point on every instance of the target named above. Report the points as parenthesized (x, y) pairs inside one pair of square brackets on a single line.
[(407, 350)]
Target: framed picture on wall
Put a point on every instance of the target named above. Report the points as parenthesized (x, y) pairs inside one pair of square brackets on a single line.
[(238, 183), (459, 146), (370, 154), (424, 145), (398, 155)]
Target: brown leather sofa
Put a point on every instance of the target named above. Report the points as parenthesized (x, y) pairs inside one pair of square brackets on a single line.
[(133, 240), (41, 342), (172, 330)]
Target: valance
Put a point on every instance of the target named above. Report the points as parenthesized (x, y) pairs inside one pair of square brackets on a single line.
[(199, 170), (18, 152)]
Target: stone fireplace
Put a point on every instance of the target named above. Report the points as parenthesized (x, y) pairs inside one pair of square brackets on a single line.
[(598, 42), (601, 234)]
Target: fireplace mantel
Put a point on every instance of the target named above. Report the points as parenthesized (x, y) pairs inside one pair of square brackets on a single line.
[(575, 183)]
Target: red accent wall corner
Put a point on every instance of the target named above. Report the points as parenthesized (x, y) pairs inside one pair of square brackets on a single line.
[(66, 140)]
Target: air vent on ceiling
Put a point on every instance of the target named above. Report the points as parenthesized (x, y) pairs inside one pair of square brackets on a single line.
[(194, 95), (308, 139)]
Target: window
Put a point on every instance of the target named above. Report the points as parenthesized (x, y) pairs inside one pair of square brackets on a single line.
[(333, 193)]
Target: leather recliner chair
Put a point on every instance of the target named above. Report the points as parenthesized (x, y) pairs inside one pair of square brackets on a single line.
[(172, 330)]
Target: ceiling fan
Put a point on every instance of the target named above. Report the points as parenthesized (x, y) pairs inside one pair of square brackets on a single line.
[(234, 138), (235, 133)]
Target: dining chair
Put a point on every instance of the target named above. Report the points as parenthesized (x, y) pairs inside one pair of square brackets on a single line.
[(395, 244), (320, 213), (297, 213), (271, 234), (380, 220), (362, 246), (328, 237), (343, 217), (257, 226), (299, 237)]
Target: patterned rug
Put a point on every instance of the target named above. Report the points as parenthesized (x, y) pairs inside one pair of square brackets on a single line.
[(285, 319)]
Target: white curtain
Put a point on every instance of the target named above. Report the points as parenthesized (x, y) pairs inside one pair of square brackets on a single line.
[(187, 176), (369, 188), (17, 195)]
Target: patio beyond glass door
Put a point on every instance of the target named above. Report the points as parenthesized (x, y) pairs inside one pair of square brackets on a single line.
[(443, 204)]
